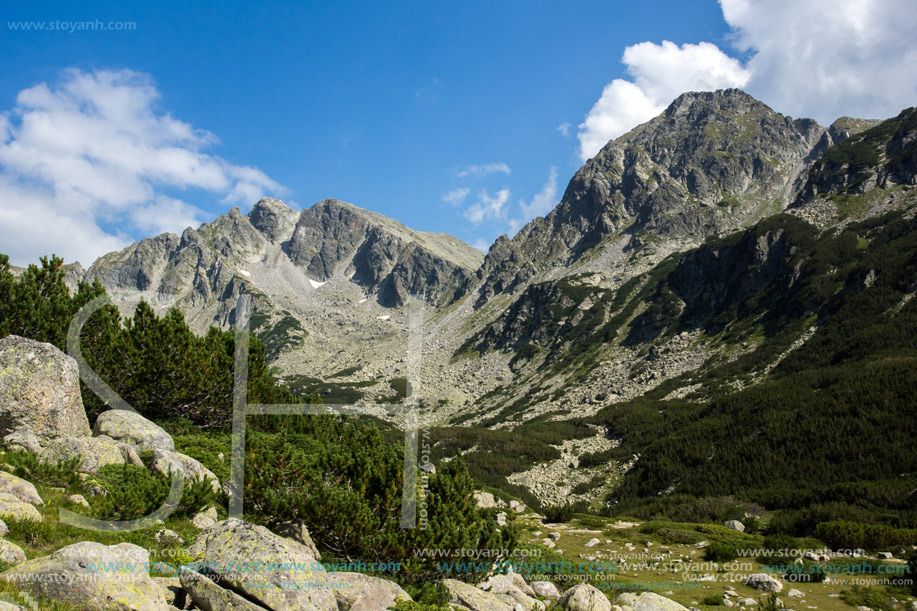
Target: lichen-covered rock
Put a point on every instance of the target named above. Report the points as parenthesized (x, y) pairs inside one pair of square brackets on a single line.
[(73, 575), (467, 596), (23, 439), (366, 593), (763, 582), (18, 487), (96, 452), (129, 454), (271, 570), (209, 596), (4, 529), (11, 553), (132, 428), (546, 589), (166, 462), (648, 601), (298, 531), (5, 606), (39, 390), (205, 519), (12, 508), (584, 598), (79, 499)]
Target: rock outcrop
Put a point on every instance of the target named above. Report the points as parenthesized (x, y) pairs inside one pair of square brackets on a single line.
[(584, 598), (94, 452), (647, 601), (73, 574), (166, 462), (133, 429), (268, 569)]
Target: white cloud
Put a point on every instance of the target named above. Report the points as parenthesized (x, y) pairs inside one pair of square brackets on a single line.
[(660, 73), (827, 58), (564, 129), (542, 203), (93, 150), (810, 58), (484, 170), (456, 196), (487, 207)]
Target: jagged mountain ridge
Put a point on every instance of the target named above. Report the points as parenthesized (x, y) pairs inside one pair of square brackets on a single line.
[(330, 240)]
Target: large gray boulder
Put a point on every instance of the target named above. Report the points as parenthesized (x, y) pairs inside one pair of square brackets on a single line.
[(584, 598), (298, 531), (73, 574), (647, 601), (734, 525), (469, 597), (210, 596), (12, 508), (264, 567), (95, 452), (133, 429), (546, 589), (18, 487), (167, 462), (10, 553), (763, 582), (511, 588), (39, 390), (366, 593)]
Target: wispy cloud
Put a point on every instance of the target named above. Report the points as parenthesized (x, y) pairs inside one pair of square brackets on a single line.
[(484, 170), (488, 207), (93, 150), (456, 196), (564, 129)]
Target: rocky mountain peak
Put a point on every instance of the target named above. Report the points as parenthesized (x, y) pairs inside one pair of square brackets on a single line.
[(273, 218), (712, 162)]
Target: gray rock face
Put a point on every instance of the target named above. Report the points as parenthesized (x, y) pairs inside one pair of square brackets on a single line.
[(68, 575), (647, 601), (866, 158), (763, 582), (11, 553), (167, 462), (12, 508), (285, 564), (384, 256), (23, 439), (133, 429), (366, 593), (39, 390), (469, 597), (96, 452), (299, 532), (584, 598), (712, 162), (209, 596), (18, 487), (546, 589), (734, 525)]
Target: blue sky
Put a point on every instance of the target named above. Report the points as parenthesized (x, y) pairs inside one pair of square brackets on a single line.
[(446, 116)]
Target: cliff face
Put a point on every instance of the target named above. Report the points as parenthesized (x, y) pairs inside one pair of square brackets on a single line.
[(711, 163)]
